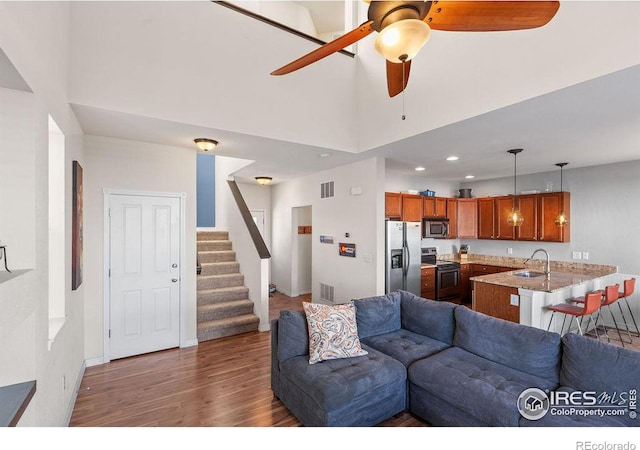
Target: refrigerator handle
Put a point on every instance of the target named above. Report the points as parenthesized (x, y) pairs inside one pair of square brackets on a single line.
[(406, 258)]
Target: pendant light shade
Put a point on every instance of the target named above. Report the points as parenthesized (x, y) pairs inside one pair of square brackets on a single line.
[(561, 219), (515, 218)]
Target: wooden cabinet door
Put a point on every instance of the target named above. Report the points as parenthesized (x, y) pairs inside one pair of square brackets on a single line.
[(549, 206), (502, 208), (485, 218), (428, 283), (452, 215), (411, 208), (428, 206), (528, 205), (393, 205), (467, 221), (440, 207), (483, 269), (465, 288)]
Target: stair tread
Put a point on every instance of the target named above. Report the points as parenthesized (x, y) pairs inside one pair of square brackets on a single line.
[(221, 275), (224, 289), (226, 304), (230, 321)]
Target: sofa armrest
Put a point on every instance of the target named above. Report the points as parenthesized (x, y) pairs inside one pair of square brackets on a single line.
[(275, 365)]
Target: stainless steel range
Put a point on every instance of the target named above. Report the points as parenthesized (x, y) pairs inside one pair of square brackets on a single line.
[(447, 275)]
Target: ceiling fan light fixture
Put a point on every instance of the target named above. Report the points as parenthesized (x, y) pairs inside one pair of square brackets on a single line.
[(263, 180), (206, 145), (402, 40)]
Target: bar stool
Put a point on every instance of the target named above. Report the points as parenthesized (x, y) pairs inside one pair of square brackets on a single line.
[(591, 304), (629, 286), (609, 297)]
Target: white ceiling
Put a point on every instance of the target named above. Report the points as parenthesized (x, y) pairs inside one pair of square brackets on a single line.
[(591, 123)]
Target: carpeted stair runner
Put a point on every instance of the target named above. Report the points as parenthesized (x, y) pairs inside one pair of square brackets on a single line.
[(224, 308)]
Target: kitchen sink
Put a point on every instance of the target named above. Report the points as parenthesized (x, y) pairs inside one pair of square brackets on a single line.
[(529, 274)]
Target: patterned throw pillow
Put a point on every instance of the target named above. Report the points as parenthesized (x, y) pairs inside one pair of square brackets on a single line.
[(333, 332)]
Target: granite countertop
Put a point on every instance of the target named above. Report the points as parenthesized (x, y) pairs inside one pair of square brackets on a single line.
[(567, 267), (563, 274), (426, 266)]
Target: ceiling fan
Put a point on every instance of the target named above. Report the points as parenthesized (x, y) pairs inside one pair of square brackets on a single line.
[(404, 27)]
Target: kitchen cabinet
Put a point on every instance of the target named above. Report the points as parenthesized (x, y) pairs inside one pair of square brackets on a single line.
[(493, 213), (495, 300), (528, 205), (465, 287), (452, 215), (467, 222), (550, 204), (428, 282), (434, 207), (393, 205), (412, 208)]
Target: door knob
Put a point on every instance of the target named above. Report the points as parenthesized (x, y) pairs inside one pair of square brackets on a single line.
[(174, 265), (174, 280)]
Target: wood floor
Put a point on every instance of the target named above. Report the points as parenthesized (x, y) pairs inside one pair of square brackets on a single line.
[(219, 383)]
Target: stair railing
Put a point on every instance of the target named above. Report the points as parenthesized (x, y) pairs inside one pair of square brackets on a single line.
[(254, 232)]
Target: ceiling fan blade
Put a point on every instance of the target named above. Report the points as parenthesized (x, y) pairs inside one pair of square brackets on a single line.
[(490, 15), (327, 49), (397, 77)]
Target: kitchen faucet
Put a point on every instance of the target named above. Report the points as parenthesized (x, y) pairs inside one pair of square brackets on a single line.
[(547, 267)]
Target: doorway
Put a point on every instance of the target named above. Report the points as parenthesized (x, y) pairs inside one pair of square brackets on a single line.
[(301, 250), (143, 246)]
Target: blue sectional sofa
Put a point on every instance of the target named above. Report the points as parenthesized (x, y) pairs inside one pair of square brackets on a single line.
[(448, 365)]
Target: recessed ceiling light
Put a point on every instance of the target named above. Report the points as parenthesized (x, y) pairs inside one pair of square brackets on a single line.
[(452, 158), (420, 168), (324, 155), (469, 176)]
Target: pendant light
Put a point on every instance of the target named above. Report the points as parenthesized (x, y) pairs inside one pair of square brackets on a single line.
[(561, 219), (515, 218)]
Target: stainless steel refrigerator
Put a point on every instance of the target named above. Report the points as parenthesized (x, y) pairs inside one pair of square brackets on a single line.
[(402, 256)]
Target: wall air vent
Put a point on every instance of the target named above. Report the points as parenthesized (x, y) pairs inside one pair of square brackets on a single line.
[(326, 189), (326, 292)]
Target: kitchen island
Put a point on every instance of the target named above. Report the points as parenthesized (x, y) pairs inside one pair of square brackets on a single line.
[(509, 295)]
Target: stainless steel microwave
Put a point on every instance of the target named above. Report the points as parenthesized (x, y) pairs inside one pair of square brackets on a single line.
[(435, 228)]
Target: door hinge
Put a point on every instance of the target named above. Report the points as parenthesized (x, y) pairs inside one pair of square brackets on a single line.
[(109, 334), (109, 272), (109, 212)]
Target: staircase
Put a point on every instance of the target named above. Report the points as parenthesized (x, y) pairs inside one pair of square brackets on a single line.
[(224, 308)]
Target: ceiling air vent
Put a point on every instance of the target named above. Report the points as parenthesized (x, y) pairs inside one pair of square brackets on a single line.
[(326, 189), (326, 292)]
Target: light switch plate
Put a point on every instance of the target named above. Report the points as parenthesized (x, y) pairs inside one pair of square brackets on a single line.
[(514, 300), (577, 255), (585, 255)]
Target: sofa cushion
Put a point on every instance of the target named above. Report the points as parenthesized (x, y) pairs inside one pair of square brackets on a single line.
[(427, 317), (405, 346), (378, 315), (487, 390), (333, 333), (520, 347), (327, 390), (293, 335)]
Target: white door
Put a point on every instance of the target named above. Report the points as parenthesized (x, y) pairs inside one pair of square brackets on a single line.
[(144, 307)]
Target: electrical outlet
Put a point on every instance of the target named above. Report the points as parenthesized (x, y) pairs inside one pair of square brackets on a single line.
[(514, 300), (509, 251), (585, 255), (577, 255)]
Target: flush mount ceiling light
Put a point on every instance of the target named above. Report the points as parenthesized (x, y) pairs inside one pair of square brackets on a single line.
[(263, 180), (206, 145), (561, 219), (515, 217), (452, 158)]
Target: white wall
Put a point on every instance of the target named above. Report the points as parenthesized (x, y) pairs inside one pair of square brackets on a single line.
[(362, 216), (605, 218), (35, 37), (139, 167)]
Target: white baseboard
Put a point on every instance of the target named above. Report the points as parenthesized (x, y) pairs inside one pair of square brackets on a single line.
[(94, 361), (189, 343), (266, 327), (282, 291), (74, 397)]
